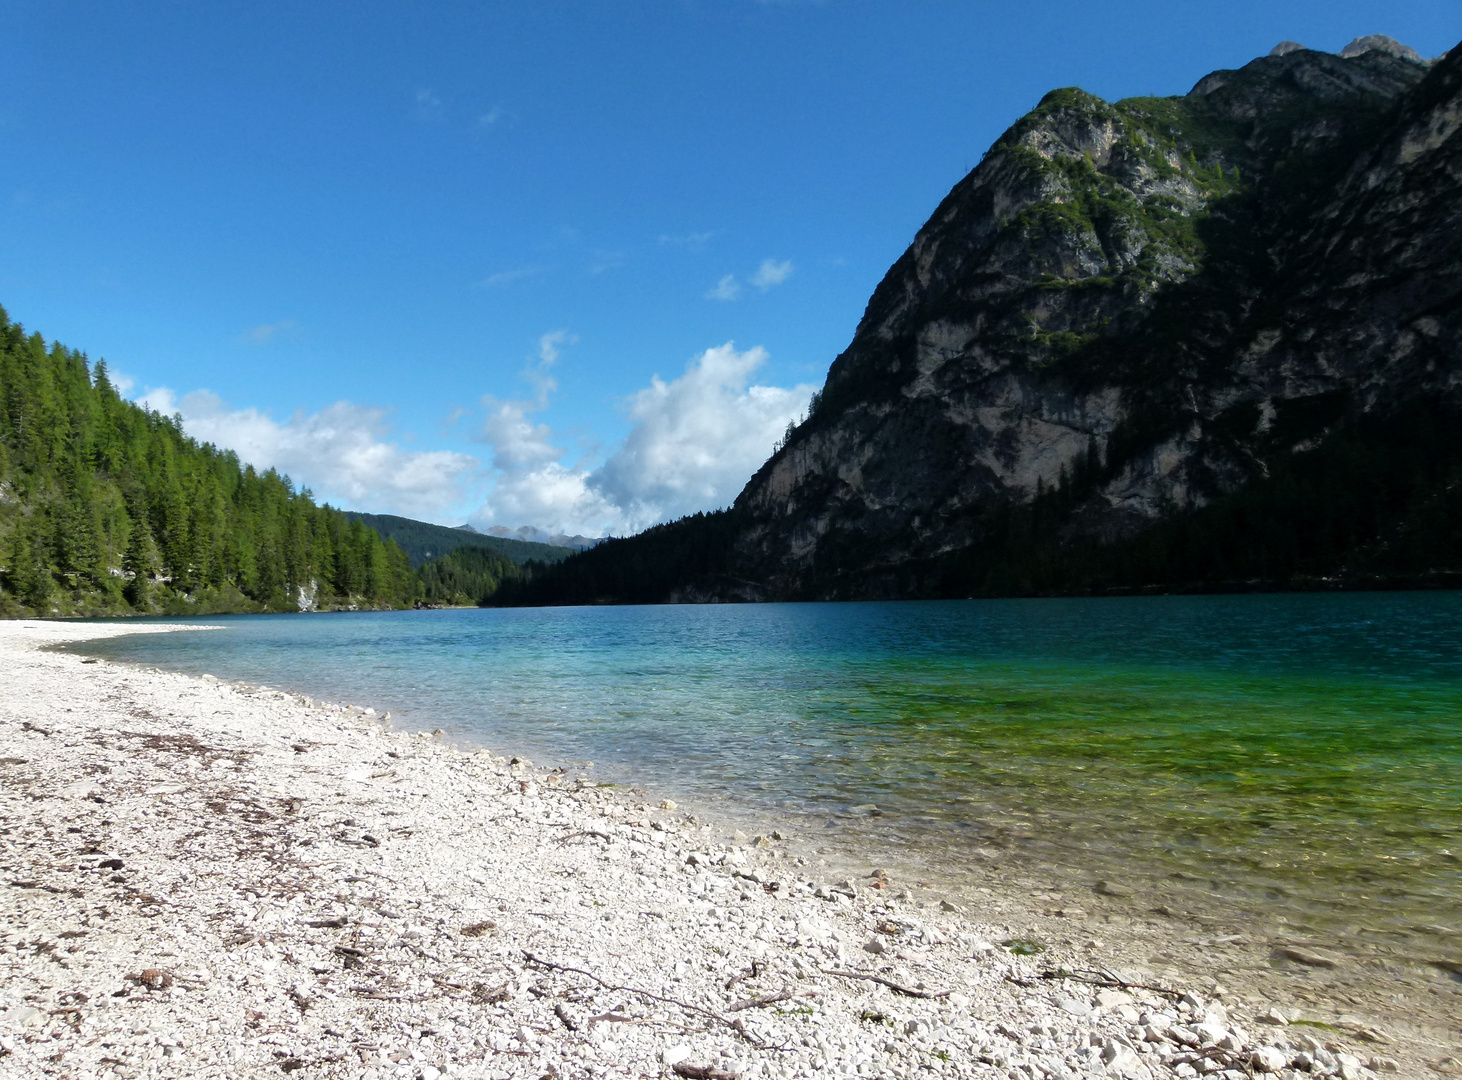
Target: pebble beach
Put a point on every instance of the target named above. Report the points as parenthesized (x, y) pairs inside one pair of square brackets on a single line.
[(207, 879)]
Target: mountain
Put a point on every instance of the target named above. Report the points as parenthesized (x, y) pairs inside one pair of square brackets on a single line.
[(542, 536), (423, 542), (107, 508), (1201, 342)]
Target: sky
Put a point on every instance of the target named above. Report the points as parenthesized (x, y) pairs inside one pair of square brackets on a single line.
[(569, 265)]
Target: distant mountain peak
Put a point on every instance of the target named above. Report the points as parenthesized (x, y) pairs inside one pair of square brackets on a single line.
[(1375, 43), (1285, 47), (534, 535), (465, 528)]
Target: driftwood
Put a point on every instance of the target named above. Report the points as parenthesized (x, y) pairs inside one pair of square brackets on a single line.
[(905, 990)]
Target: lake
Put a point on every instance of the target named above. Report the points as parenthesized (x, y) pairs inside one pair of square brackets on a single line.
[(1277, 753)]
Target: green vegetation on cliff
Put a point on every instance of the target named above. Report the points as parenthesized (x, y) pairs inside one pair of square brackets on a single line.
[(107, 508)]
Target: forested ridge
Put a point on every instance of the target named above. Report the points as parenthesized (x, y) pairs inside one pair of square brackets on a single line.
[(423, 541), (107, 508)]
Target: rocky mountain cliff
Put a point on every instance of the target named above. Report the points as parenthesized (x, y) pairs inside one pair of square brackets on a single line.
[(1205, 341)]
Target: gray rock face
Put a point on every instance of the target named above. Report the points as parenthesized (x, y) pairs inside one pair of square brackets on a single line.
[(1144, 304), (1379, 43)]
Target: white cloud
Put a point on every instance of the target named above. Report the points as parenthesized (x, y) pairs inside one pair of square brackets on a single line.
[(533, 487), (605, 261), (121, 383), (726, 289), (265, 333), (491, 117), (697, 439), (428, 104), (771, 272), (508, 277), (340, 452), (694, 443), (693, 241)]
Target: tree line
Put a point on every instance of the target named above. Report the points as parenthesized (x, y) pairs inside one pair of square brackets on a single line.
[(109, 508)]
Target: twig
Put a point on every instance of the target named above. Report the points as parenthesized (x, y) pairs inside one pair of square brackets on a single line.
[(770, 999), (908, 991), (757, 967), (583, 832), (1096, 978), (563, 1014), (702, 1072), (735, 1025)]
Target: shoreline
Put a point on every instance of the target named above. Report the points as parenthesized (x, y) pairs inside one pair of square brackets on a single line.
[(302, 888)]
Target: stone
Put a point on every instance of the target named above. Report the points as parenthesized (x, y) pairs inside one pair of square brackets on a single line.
[(875, 946), (1308, 957), (1269, 1059), (1075, 1006), (1210, 1034), (945, 905), (674, 1055), (1112, 888), (1275, 1017), (25, 1016), (1120, 1058)]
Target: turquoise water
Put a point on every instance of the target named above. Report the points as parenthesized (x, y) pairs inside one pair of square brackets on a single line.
[(1303, 751)]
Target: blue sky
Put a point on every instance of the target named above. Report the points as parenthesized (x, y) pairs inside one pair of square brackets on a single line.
[(567, 264)]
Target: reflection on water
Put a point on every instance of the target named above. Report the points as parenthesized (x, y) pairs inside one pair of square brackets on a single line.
[(1299, 751)]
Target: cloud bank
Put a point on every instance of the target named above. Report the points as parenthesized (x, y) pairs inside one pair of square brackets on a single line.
[(340, 452), (693, 443)]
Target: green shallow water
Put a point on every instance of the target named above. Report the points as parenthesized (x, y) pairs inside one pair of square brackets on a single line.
[(1336, 794), (1297, 754)]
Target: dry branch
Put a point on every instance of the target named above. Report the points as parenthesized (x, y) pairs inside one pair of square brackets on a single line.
[(770, 999), (905, 990), (735, 1025)]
